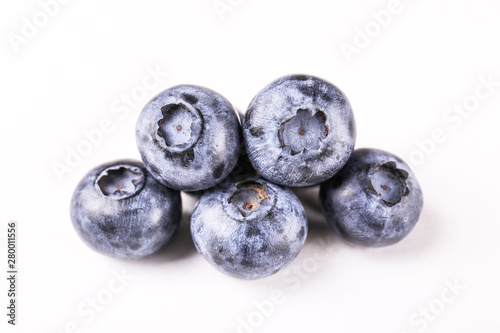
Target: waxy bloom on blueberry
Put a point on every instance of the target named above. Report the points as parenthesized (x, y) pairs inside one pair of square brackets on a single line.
[(188, 137), (249, 228), (120, 210), (375, 200), (299, 131)]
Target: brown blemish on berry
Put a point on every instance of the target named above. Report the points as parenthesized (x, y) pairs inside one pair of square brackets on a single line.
[(248, 197), (259, 188)]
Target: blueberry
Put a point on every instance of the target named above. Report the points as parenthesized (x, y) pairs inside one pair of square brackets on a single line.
[(120, 210), (299, 131), (250, 228), (188, 137), (375, 200)]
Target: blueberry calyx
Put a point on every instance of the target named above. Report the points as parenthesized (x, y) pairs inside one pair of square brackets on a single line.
[(120, 181), (179, 127), (248, 197), (388, 182), (303, 131)]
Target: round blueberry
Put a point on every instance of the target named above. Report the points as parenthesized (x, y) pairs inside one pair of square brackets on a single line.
[(120, 210), (299, 131), (188, 137), (375, 200), (249, 229)]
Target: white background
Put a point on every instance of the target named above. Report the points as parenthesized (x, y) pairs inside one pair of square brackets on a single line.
[(76, 69)]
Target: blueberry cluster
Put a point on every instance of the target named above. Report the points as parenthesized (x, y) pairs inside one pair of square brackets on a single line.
[(298, 131)]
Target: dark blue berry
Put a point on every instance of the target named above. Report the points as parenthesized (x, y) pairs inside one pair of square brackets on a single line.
[(299, 131), (375, 200), (188, 137), (120, 210), (249, 228)]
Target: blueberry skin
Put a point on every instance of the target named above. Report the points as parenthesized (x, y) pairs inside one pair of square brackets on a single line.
[(120, 210), (299, 131), (249, 229), (375, 200), (188, 137)]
